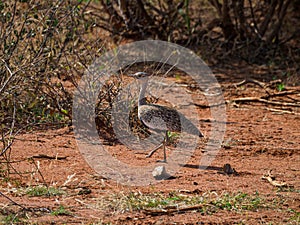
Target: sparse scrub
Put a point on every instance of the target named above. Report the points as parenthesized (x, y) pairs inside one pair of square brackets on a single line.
[(208, 202), (296, 217), (43, 53), (11, 219), (165, 20), (239, 202), (61, 211), (45, 48), (182, 20), (43, 191), (256, 32)]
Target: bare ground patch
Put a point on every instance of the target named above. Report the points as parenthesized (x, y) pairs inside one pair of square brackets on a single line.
[(258, 141)]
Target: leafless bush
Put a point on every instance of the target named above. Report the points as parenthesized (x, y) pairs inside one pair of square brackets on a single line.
[(255, 31), (43, 52), (45, 47), (164, 20), (171, 20)]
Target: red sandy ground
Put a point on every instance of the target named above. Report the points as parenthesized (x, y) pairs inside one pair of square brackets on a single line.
[(257, 140)]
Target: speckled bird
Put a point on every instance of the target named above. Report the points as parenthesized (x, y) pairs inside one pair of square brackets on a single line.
[(161, 118)]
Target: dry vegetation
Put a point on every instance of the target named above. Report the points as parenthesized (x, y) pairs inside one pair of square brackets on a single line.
[(45, 47)]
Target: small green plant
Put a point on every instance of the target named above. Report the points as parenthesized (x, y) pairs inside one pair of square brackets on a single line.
[(208, 204), (61, 211), (280, 87), (172, 136), (11, 219), (177, 76), (43, 191), (296, 217), (240, 201)]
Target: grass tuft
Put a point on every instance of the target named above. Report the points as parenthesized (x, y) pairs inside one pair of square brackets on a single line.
[(61, 211), (211, 202), (43, 191)]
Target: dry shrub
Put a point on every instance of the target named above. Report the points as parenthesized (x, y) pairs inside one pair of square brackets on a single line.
[(45, 48), (257, 32), (159, 19)]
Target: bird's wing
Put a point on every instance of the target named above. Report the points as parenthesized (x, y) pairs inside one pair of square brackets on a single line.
[(165, 118)]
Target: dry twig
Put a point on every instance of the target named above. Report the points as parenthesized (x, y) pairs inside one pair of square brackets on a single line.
[(269, 177), (262, 99), (171, 210), (280, 111), (8, 198), (266, 98), (43, 156)]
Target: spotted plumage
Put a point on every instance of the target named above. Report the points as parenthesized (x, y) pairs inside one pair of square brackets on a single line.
[(161, 118)]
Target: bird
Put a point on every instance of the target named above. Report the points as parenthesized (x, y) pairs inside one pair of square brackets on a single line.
[(160, 118)]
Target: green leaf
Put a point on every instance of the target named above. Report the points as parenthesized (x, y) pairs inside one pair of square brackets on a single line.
[(64, 111), (280, 87)]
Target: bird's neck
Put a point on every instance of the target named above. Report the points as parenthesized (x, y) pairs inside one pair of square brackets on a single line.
[(142, 98)]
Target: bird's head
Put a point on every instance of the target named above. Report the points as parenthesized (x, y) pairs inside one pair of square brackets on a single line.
[(139, 75)]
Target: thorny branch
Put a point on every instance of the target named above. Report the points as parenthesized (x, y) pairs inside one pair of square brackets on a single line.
[(15, 203)]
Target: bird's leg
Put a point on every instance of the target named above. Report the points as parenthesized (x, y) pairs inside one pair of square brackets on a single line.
[(165, 155), (154, 150), (165, 141)]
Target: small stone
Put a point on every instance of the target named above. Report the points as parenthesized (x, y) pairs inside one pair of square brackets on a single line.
[(160, 173)]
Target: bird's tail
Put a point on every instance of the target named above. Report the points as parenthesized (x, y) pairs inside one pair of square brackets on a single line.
[(190, 128)]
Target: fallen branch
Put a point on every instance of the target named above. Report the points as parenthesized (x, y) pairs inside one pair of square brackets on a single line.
[(43, 156), (272, 180), (257, 82), (12, 201), (156, 212), (262, 99), (249, 80), (282, 111), (265, 98), (261, 84), (283, 93)]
